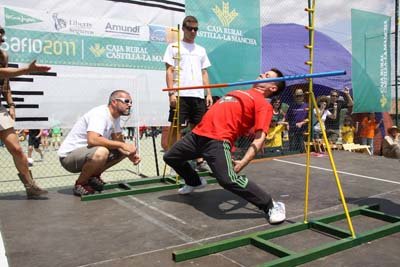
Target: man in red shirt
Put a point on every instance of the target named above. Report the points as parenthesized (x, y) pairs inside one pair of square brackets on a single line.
[(232, 116)]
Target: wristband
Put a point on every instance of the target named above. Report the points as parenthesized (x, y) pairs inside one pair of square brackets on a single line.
[(11, 105), (171, 93)]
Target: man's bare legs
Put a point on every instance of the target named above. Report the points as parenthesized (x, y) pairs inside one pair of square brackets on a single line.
[(10, 140), (95, 166)]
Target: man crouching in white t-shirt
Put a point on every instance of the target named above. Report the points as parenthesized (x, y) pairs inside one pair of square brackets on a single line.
[(95, 143)]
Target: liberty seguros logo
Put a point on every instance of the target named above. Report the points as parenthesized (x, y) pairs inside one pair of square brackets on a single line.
[(59, 23)]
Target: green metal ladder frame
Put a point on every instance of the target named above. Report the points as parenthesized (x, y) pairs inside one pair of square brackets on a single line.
[(292, 258), (168, 183)]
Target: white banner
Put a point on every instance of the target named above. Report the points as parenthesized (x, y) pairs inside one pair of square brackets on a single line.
[(94, 48)]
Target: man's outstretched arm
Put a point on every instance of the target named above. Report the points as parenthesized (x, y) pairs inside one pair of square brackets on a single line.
[(13, 72), (251, 152)]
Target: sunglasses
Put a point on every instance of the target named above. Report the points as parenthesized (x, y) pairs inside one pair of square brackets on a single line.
[(124, 100), (298, 95), (192, 28)]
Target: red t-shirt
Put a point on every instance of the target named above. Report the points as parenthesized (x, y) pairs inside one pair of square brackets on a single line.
[(234, 115)]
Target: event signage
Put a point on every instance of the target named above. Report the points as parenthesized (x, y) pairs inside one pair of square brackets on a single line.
[(371, 62)]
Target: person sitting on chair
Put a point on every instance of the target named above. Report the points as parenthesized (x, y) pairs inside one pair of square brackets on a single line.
[(391, 143)]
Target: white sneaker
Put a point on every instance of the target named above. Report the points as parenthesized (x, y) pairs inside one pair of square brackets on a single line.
[(202, 167), (277, 213), (187, 189), (30, 161)]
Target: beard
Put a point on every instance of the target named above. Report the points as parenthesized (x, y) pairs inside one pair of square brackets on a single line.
[(125, 112)]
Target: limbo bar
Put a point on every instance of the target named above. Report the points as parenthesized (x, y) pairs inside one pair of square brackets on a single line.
[(284, 78)]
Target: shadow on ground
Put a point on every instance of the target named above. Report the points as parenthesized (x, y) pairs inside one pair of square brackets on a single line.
[(21, 196), (219, 204), (387, 206)]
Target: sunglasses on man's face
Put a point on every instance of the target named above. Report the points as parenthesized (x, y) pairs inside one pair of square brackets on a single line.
[(192, 28), (124, 100)]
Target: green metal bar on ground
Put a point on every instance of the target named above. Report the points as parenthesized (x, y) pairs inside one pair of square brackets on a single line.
[(333, 247), (271, 247), (128, 188), (330, 229), (291, 258), (208, 249)]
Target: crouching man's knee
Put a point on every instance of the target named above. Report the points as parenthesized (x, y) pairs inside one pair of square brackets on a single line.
[(101, 154)]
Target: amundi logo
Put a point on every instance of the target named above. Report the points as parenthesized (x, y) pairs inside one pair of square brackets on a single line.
[(124, 29)]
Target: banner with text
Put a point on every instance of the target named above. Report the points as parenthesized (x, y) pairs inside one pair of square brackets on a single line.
[(230, 32), (124, 41), (371, 62)]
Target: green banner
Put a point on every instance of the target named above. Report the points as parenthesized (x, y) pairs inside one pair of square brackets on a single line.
[(91, 51), (13, 17), (230, 32), (371, 62)]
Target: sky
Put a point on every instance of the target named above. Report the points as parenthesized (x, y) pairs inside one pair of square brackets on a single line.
[(333, 17)]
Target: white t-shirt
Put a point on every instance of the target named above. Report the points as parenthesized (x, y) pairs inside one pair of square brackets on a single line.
[(325, 114), (193, 60), (97, 120)]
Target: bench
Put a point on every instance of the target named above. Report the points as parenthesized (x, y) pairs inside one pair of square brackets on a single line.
[(357, 147)]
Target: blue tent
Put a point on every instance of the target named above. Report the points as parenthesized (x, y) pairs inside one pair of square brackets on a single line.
[(283, 48)]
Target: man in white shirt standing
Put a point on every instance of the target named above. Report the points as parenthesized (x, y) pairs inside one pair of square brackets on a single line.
[(95, 143), (193, 64)]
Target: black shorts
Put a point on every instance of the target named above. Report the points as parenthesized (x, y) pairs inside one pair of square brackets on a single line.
[(33, 141), (191, 110)]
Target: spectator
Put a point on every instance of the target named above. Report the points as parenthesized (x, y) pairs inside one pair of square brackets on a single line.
[(193, 64), (213, 138), (317, 128), (7, 119), (131, 133), (273, 140), (391, 143), (368, 128), (297, 118), (34, 141), (95, 143), (21, 135), (348, 130), (333, 125), (142, 131), (56, 133), (45, 139)]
